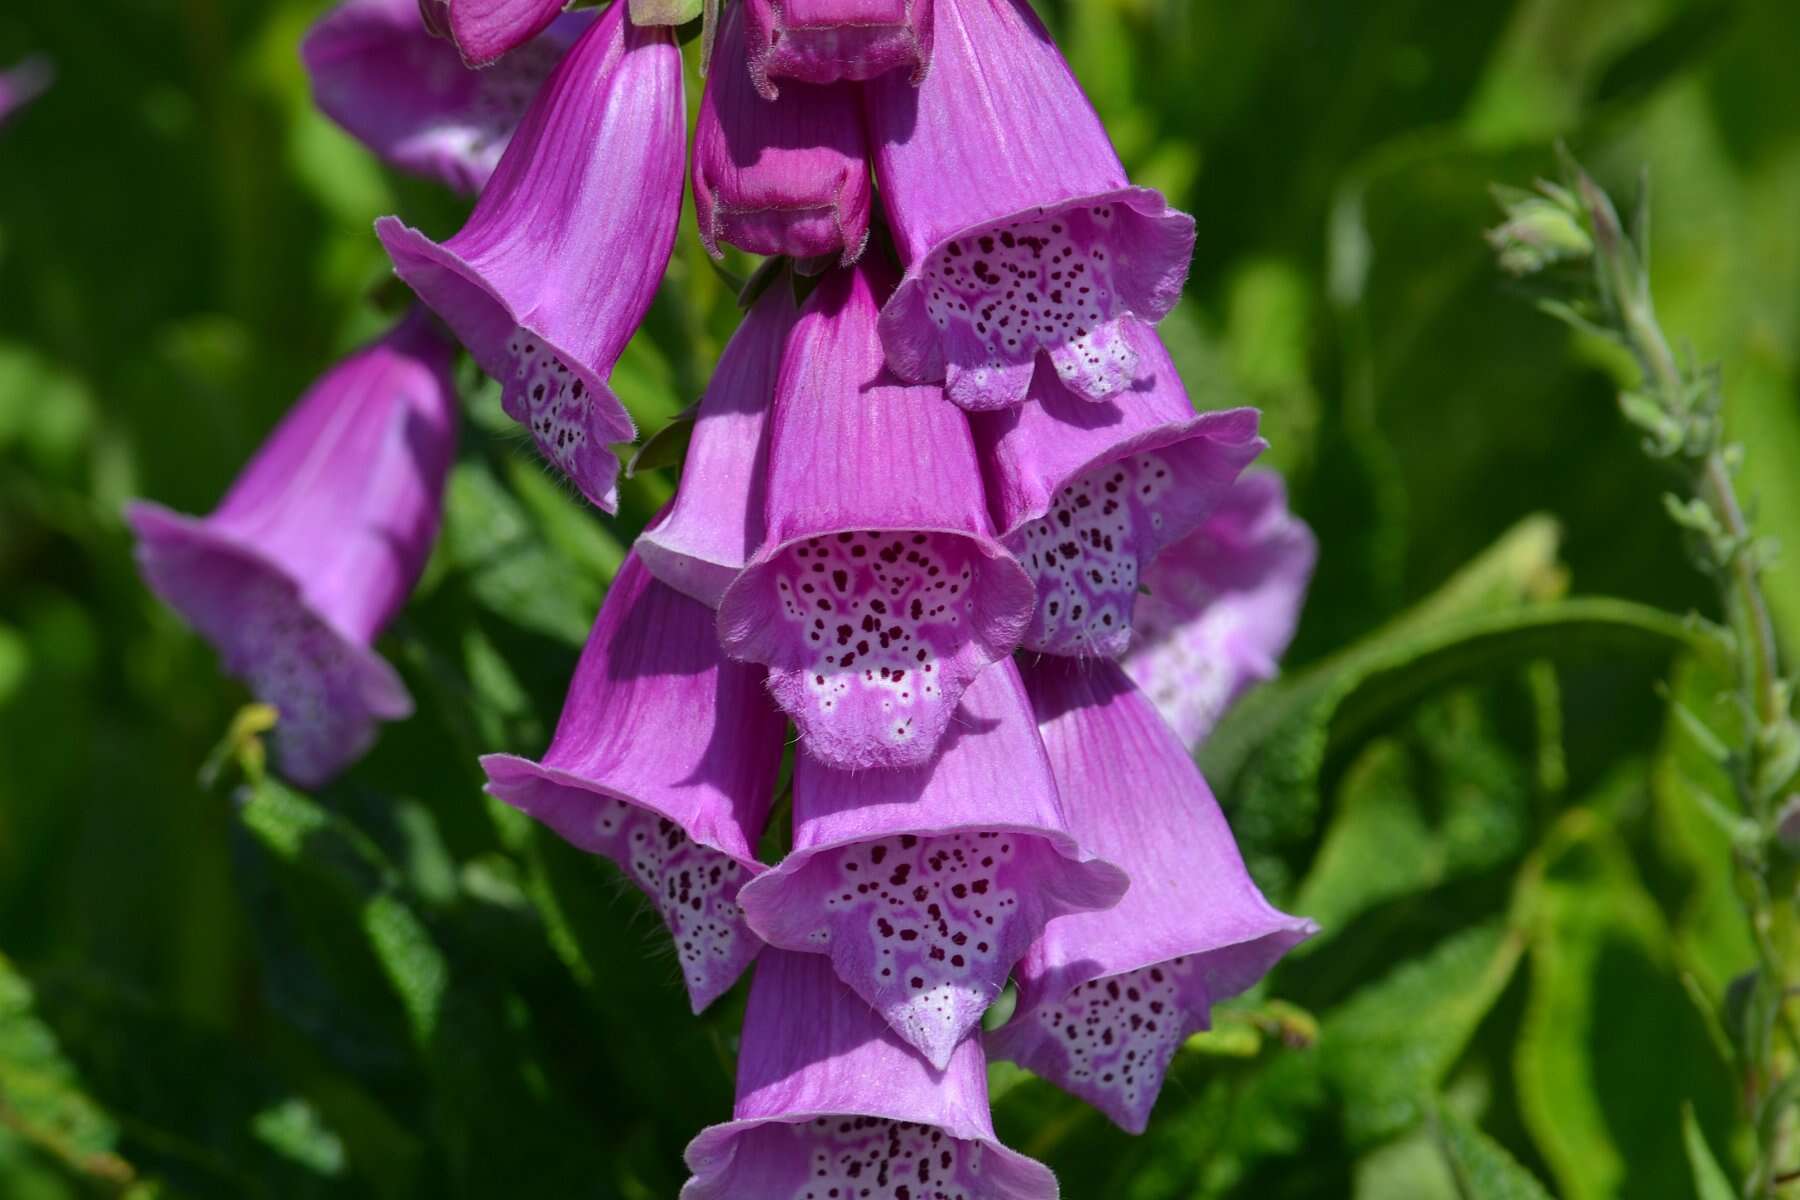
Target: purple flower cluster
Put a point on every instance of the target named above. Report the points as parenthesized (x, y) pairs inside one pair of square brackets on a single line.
[(951, 515)]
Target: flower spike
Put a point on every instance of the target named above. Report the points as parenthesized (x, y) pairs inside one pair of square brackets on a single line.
[(1012, 213), (880, 591), (1106, 998), (406, 95), (925, 886), (783, 176), (559, 261), (317, 545), (1088, 495), (1222, 607), (715, 522), (832, 1106), (664, 761), (824, 41)]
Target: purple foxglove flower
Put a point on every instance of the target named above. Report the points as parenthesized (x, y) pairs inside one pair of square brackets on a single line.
[(664, 761), (783, 176), (561, 257), (1087, 495), (880, 591), (317, 544), (1222, 607), (23, 83), (924, 886), (824, 41), (832, 1104), (715, 523), (1106, 998), (1012, 213), (483, 30), (378, 72)]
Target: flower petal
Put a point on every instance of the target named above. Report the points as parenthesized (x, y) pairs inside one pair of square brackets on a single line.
[(925, 886), (665, 761), (783, 176), (1106, 997), (715, 522), (558, 263), (831, 1105), (1222, 607), (1013, 215), (378, 72), (486, 29), (880, 592), (1088, 495), (824, 41), (317, 545)]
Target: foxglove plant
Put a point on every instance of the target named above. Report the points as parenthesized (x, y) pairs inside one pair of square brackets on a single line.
[(831, 1105), (1106, 997), (1222, 605), (408, 96), (664, 761), (558, 263), (788, 175), (317, 545), (924, 886), (1020, 233), (880, 592), (1087, 495), (824, 41)]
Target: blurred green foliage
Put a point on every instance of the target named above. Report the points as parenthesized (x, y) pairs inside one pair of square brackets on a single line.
[(398, 988)]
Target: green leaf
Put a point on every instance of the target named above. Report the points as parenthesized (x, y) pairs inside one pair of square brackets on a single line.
[(1482, 1167), (1611, 1044), (1387, 1048), (1710, 1180), (490, 539), (41, 1096)]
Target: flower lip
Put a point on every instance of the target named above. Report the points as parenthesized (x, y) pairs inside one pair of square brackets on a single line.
[(819, 49), (952, 317), (201, 571)]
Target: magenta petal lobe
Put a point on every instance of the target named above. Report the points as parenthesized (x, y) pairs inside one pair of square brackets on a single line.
[(824, 41), (486, 29), (664, 760)]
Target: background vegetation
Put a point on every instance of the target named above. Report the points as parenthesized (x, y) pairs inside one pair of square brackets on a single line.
[(396, 988)]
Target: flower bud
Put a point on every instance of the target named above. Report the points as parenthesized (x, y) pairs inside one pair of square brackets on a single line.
[(1539, 231)]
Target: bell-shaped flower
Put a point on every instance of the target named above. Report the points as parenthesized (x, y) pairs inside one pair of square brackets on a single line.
[(1012, 213), (378, 72), (23, 83), (924, 886), (1088, 495), (483, 30), (664, 760), (1222, 607), (317, 545), (715, 523), (832, 1106), (880, 591), (1106, 998), (782, 176), (824, 41), (560, 259)]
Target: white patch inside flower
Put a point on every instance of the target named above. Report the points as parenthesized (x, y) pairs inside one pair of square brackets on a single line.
[(694, 887), (878, 612), (1042, 283), (873, 1158), (937, 913), (550, 399), (1121, 1032), (1083, 555)]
